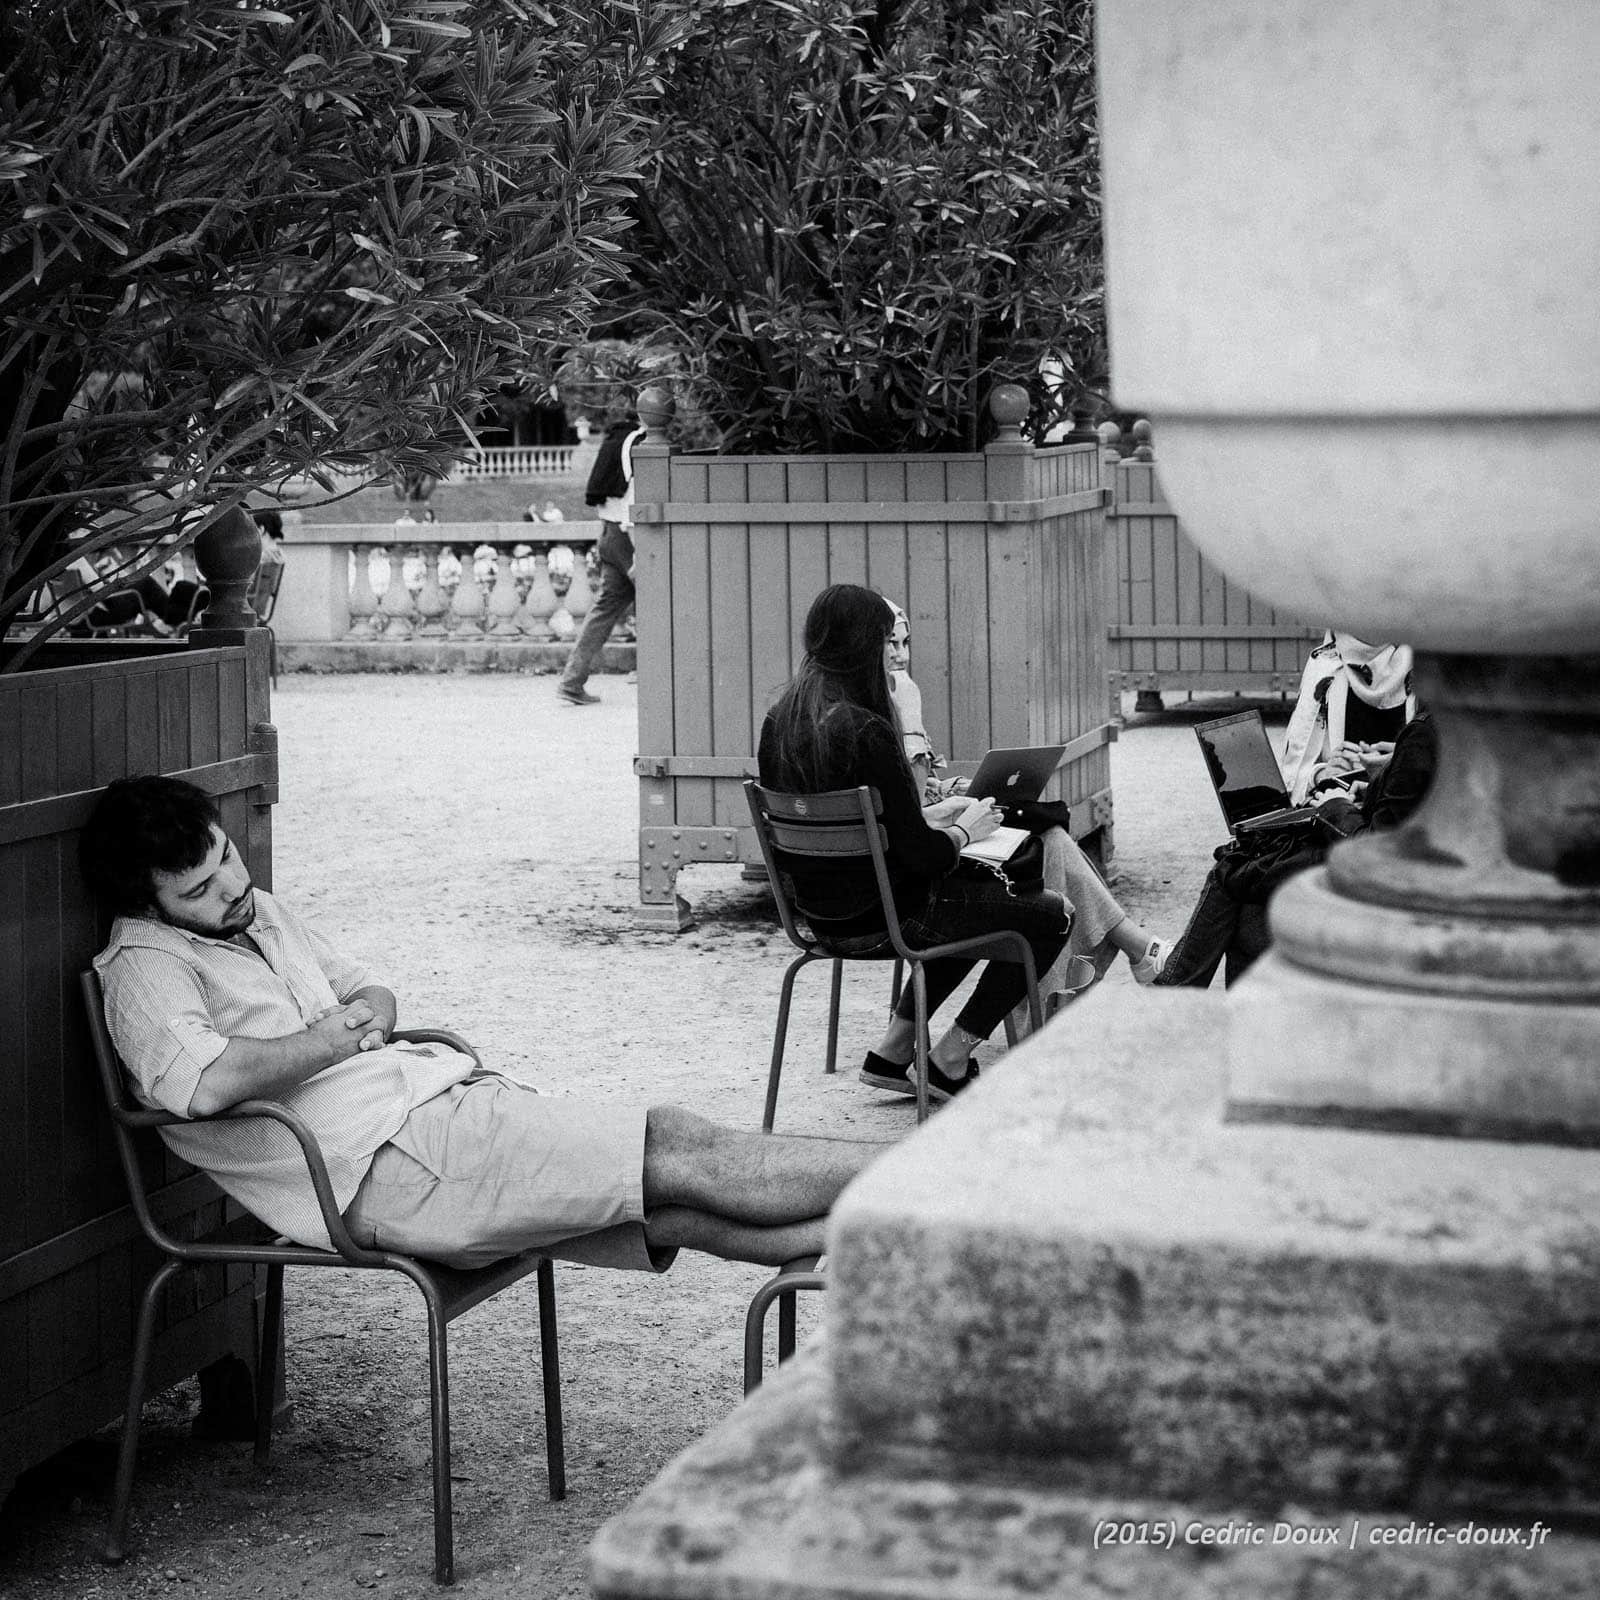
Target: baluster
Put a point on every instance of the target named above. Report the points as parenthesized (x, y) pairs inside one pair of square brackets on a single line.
[(580, 597), (466, 619), (395, 606), (562, 565), (539, 602), (431, 601), (363, 598), (503, 602)]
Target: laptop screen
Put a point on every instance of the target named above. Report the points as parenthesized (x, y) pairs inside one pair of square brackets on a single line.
[(1242, 766)]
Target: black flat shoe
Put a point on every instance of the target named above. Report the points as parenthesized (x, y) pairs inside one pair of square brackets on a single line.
[(890, 1075), (901, 1079), (941, 1088)]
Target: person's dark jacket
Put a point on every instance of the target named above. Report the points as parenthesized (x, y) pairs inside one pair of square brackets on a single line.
[(841, 897), (608, 478)]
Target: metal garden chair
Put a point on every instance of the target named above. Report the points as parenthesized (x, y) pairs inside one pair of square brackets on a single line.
[(843, 825), (804, 1272), (446, 1292)]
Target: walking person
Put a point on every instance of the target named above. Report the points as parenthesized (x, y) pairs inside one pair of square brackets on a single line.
[(610, 490)]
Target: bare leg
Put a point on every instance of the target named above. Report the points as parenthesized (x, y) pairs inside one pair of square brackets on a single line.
[(682, 1227), (767, 1179), (1131, 938)]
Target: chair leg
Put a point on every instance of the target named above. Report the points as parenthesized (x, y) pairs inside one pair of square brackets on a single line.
[(833, 1016), (919, 995), (444, 1556), (1035, 1010), (782, 1287), (780, 1033), (267, 1366), (786, 1320), (755, 1328), (1011, 1031), (555, 1450), (116, 1545)]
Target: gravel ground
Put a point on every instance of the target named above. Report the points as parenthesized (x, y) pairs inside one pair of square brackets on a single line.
[(476, 842)]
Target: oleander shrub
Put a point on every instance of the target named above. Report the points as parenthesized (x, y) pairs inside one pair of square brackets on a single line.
[(240, 242), (858, 216)]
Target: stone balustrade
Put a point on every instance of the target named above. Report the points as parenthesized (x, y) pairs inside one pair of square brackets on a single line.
[(370, 594), (514, 461)]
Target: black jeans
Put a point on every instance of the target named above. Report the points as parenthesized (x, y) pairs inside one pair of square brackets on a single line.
[(1220, 927), (964, 907)]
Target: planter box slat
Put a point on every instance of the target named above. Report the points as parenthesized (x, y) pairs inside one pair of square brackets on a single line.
[(32, 819), (38, 749), (42, 960), (13, 1023)]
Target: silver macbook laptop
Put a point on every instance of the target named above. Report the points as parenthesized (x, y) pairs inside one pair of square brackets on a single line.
[(1246, 775), (1016, 774)]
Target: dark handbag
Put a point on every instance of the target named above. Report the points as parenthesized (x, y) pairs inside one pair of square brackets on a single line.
[(1022, 872), (1251, 866)]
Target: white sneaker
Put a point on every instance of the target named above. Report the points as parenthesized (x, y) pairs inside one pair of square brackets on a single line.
[(1149, 966)]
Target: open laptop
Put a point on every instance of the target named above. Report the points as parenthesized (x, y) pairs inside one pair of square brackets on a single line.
[(1009, 775), (1246, 775)]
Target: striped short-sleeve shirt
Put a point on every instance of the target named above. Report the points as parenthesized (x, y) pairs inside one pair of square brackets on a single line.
[(174, 1000)]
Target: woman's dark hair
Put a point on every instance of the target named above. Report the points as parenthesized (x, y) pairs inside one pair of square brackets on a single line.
[(816, 738), (140, 826)]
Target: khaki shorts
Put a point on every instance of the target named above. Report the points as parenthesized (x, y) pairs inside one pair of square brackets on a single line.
[(490, 1168)]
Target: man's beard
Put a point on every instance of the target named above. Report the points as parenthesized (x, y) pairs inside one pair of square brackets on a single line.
[(236, 919)]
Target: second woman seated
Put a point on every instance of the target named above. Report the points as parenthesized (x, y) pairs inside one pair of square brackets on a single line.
[(835, 727)]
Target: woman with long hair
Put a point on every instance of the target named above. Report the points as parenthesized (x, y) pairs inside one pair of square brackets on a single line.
[(835, 727)]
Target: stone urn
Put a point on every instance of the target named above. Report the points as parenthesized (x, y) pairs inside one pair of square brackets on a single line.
[(1353, 266)]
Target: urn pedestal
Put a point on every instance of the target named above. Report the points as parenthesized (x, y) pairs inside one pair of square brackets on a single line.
[(1373, 354)]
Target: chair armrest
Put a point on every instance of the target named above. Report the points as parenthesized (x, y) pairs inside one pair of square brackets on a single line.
[(436, 1036), (332, 1220)]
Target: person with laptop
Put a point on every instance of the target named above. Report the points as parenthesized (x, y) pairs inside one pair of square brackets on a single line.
[(1101, 928), (1228, 926), (835, 727)]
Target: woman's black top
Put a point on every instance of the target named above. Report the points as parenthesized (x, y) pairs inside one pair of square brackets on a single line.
[(840, 898)]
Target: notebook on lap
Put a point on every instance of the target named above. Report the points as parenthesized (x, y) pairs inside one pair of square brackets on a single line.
[(1246, 776), (1010, 775)]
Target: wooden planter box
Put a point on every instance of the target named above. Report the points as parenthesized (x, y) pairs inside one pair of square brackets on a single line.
[(72, 1264), (997, 556), (1177, 623)]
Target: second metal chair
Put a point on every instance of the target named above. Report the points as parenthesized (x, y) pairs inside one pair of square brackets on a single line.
[(839, 826)]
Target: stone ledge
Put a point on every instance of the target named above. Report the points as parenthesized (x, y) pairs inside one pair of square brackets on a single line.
[(442, 655), (754, 1512), (1081, 1276)]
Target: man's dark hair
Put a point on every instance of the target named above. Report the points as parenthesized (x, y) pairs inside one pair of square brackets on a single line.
[(269, 522), (141, 826)]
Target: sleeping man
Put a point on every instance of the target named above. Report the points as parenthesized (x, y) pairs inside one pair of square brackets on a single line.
[(216, 994)]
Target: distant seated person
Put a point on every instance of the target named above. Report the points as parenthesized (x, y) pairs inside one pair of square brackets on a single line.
[(216, 993), (1351, 694), (835, 727), (270, 524), (1229, 923), (1101, 929), (141, 604)]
